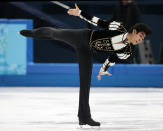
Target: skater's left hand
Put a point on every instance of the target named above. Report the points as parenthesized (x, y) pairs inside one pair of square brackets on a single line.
[(75, 11), (103, 73)]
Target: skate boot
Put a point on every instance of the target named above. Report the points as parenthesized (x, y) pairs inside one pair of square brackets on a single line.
[(88, 121), (27, 33)]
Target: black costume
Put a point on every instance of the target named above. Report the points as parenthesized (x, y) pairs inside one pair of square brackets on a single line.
[(84, 41)]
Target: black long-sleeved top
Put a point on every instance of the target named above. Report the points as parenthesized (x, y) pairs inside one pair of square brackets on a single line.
[(108, 39)]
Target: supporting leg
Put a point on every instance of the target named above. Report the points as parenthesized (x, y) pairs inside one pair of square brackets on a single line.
[(85, 70)]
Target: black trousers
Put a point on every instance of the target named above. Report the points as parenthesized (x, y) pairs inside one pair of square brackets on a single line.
[(79, 40)]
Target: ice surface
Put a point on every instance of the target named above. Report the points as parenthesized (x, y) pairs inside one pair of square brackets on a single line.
[(55, 109)]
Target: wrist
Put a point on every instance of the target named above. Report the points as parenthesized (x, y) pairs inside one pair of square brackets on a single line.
[(79, 12), (101, 70)]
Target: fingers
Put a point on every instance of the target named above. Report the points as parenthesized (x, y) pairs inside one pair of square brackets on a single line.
[(69, 11), (103, 73), (76, 6), (109, 74), (99, 77), (72, 12)]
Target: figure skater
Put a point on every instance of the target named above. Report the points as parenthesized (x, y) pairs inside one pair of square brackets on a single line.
[(112, 38)]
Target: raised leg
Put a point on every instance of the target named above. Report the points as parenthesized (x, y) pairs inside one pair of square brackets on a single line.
[(73, 37)]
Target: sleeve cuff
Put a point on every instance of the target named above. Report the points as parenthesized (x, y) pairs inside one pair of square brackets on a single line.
[(79, 12)]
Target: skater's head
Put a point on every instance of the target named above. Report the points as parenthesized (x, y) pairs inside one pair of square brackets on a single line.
[(138, 33)]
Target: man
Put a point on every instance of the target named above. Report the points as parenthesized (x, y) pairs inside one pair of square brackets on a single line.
[(114, 38), (114, 26)]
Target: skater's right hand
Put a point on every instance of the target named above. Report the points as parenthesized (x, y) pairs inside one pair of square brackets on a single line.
[(103, 73), (74, 12)]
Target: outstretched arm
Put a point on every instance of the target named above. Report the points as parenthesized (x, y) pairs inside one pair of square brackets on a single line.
[(91, 19), (111, 25)]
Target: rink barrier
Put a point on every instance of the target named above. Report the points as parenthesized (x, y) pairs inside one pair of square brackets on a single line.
[(67, 75)]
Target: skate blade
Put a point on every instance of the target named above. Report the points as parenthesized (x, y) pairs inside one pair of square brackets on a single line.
[(86, 126)]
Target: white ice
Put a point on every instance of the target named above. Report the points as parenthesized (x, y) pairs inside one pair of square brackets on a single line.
[(55, 109)]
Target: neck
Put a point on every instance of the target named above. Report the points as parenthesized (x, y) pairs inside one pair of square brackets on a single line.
[(129, 38)]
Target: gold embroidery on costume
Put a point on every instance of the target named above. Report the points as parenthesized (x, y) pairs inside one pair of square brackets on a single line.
[(104, 44), (90, 41)]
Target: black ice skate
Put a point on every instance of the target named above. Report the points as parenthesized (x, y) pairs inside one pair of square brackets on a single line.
[(27, 33), (88, 121)]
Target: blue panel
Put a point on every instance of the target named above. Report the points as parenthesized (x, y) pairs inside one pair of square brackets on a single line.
[(13, 47), (68, 75), (16, 51)]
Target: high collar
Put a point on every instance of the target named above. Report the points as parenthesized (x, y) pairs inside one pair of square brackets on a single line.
[(119, 38), (124, 37)]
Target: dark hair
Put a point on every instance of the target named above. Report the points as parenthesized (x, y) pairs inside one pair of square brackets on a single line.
[(140, 27)]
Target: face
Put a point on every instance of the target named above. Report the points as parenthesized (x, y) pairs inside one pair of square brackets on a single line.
[(137, 37)]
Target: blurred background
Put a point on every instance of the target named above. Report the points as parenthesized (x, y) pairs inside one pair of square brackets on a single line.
[(30, 62)]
